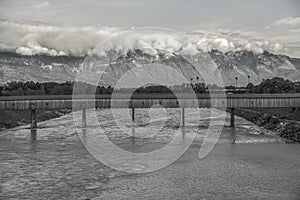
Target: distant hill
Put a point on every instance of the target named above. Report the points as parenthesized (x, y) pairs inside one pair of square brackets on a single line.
[(43, 68)]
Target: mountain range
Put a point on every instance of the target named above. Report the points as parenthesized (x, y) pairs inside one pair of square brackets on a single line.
[(232, 64)]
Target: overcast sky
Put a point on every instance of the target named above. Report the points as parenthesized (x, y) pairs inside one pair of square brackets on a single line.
[(170, 13), (272, 20)]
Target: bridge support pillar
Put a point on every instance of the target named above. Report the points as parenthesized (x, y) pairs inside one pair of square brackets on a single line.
[(232, 117), (182, 117), (132, 115), (33, 124), (84, 123)]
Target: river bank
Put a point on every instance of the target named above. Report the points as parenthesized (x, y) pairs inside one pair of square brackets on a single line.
[(11, 119), (283, 122)]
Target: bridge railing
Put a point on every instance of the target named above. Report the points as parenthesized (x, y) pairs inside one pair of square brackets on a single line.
[(46, 102)]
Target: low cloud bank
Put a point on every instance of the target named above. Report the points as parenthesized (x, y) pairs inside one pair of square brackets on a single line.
[(32, 39), (288, 21)]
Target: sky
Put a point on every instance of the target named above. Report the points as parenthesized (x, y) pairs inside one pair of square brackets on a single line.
[(273, 21)]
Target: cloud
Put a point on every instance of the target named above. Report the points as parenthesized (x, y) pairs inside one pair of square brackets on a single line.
[(33, 38), (41, 5), (233, 41), (288, 21), (295, 30)]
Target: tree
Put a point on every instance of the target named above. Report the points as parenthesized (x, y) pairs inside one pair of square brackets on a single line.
[(251, 88), (40, 91), (57, 90), (29, 92), (17, 92)]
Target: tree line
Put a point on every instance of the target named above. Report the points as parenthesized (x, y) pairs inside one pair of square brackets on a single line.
[(275, 85), (17, 88)]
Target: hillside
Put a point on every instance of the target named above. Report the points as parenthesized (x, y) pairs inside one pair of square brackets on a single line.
[(241, 64)]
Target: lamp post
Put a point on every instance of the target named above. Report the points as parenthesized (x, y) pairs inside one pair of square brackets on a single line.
[(248, 79), (197, 84), (248, 83), (236, 80)]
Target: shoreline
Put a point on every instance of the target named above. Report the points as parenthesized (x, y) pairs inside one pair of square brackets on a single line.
[(287, 129), (12, 119)]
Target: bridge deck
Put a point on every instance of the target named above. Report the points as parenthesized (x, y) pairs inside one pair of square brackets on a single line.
[(46, 102)]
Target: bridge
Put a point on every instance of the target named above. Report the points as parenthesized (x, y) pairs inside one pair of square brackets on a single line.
[(231, 101)]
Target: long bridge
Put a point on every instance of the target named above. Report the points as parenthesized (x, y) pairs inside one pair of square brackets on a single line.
[(232, 101)]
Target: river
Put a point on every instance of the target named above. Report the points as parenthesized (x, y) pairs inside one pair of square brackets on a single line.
[(248, 162)]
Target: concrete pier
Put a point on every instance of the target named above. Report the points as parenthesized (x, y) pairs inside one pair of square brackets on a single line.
[(132, 115), (84, 122), (232, 117)]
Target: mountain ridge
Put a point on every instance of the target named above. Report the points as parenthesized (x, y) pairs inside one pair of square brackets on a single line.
[(241, 64)]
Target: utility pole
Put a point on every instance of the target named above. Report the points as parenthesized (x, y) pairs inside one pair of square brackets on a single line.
[(236, 80), (248, 79), (248, 83)]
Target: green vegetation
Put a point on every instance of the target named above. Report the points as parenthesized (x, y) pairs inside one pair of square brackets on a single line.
[(274, 85), (10, 119), (52, 88), (46, 88), (283, 121)]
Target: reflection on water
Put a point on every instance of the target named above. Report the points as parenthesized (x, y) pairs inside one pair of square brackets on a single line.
[(149, 132), (232, 135), (133, 134), (33, 134)]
